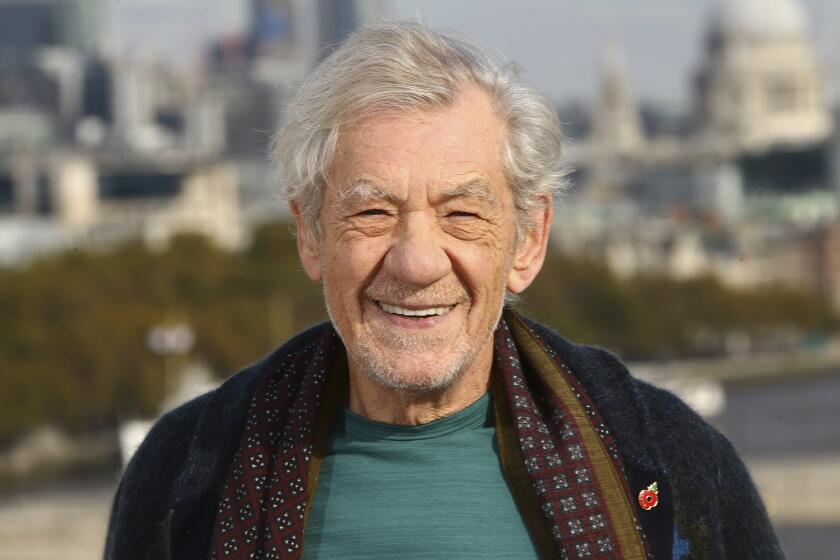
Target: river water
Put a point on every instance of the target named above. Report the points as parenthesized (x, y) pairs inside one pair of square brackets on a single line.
[(788, 431)]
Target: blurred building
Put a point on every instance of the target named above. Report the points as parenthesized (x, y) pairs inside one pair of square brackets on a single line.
[(302, 31), (617, 126), (52, 202), (744, 187), (94, 149), (45, 47), (760, 84), (26, 25)]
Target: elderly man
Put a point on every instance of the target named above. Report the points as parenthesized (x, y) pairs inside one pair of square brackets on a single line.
[(425, 421)]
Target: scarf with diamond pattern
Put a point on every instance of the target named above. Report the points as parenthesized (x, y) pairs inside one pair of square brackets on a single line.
[(558, 455)]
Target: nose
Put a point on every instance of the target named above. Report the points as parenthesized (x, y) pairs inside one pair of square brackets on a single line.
[(416, 256)]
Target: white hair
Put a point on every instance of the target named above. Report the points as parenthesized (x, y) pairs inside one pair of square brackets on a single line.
[(406, 67)]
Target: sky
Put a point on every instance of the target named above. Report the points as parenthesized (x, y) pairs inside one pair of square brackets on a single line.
[(558, 43)]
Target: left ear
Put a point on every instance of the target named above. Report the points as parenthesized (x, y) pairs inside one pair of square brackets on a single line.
[(310, 256), (530, 252)]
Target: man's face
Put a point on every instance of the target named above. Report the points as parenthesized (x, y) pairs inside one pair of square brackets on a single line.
[(419, 243)]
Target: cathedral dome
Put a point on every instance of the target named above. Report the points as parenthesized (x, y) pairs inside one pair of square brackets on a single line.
[(759, 19)]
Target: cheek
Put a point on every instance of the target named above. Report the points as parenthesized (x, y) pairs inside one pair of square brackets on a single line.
[(483, 267), (352, 264)]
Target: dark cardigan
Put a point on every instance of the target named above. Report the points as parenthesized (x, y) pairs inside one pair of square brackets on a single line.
[(167, 498)]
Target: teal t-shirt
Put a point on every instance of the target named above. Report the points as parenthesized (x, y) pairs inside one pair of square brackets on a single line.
[(430, 491)]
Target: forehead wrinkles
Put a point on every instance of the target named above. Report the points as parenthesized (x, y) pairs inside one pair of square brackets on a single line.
[(425, 137), (388, 157)]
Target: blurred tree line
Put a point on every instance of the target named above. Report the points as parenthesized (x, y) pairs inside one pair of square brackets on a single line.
[(75, 326)]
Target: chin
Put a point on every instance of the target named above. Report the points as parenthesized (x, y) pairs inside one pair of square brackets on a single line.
[(412, 373)]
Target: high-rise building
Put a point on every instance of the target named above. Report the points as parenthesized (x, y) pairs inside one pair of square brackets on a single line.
[(29, 24), (273, 30), (304, 30)]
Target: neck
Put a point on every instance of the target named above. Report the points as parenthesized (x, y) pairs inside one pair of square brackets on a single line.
[(412, 408)]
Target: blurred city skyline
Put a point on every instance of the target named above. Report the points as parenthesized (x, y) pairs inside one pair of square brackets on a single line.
[(559, 45)]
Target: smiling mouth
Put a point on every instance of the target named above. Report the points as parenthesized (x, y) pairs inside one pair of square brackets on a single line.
[(414, 313)]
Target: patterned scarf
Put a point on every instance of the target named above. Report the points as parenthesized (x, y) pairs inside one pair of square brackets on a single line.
[(559, 458)]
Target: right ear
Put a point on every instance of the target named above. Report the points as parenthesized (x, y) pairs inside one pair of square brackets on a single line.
[(310, 256)]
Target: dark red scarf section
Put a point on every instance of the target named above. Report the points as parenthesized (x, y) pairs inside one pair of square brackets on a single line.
[(579, 501), (262, 510)]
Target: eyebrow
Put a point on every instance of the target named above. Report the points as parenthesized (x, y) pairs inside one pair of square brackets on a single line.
[(477, 188), (365, 189)]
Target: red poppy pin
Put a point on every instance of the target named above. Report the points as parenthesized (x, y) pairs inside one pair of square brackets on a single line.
[(649, 497)]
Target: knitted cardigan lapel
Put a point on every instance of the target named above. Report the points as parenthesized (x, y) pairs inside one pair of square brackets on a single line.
[(548, 428)]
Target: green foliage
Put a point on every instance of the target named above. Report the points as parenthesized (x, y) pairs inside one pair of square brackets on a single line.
[(74, 327), (652, 317), (74, 351)]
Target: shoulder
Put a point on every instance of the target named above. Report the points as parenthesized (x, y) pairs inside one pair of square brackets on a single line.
[(716, 504), (652, 426), (633, 405), (187, 451), (143, 497), (224, 407), (147, 488)]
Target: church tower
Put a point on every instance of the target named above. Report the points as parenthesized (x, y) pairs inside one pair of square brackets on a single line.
[(616, 123)]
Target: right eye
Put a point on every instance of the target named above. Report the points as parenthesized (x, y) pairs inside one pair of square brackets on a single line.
[(373, 212)]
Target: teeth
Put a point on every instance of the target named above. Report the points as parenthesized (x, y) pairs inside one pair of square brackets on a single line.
[(414, 312)]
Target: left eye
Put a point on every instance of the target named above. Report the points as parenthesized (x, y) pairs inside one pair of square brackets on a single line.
[(461, 214)]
